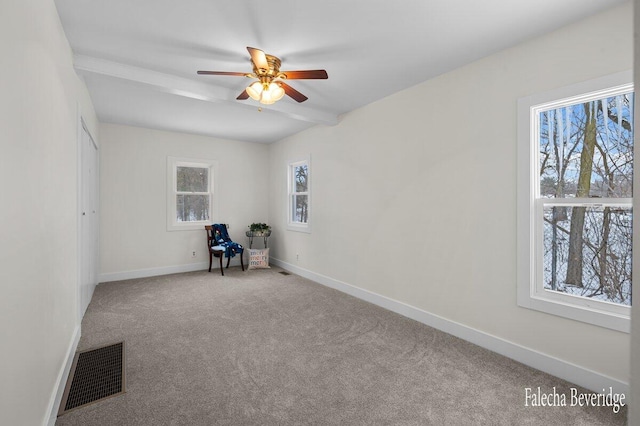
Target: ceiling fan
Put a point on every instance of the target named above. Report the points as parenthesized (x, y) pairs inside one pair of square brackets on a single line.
[(270, 86)]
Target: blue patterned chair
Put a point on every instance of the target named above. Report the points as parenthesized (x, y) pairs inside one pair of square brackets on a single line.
[(220, 244)]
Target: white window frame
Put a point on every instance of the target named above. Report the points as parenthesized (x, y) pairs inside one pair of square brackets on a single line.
[(291, 224), (531, 293), (172, 166)]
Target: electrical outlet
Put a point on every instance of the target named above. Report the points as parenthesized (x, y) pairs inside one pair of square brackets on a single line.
[(193, 253)]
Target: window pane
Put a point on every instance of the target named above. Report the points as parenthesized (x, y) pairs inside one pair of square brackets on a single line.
[(192, 179), (587, 252), (190, 208), (300, 175), (586, 149), (300, 211)]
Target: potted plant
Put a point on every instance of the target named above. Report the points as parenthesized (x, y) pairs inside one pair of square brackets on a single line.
[(259, 230)]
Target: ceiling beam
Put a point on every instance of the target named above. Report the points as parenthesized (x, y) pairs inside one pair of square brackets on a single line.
[(188, 88)]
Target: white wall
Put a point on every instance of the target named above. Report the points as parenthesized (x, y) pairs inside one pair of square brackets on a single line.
[(40, 94), (392, 159), (134, 240), (414, 196)]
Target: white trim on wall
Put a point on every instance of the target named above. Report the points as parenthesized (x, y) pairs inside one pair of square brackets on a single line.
[(565, 370), (164, 270), (531, 293), (153, 272), (61, 381), (212, 166)]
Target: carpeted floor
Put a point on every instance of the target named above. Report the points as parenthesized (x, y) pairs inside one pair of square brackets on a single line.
[(261, 348)]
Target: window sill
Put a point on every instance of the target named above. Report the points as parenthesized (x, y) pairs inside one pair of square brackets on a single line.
[(589, 315), (192, 226), (299, 228)]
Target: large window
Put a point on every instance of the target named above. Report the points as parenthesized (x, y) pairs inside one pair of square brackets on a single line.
[(575, 226), (190, 199), (299, 196)]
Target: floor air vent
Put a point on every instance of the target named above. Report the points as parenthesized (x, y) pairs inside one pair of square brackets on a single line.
[(95, 374), (284, 273)]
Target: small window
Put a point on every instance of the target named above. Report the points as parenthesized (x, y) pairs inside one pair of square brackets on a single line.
[(575, 224), (299, 196), (190, 196)]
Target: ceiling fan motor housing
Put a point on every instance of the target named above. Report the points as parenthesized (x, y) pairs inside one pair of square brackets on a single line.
[(274, 67)]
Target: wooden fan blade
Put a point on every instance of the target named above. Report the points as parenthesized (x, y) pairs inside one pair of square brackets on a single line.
[(307, 74), (239, 74), (290, 91), (258, 58), (242, 96)]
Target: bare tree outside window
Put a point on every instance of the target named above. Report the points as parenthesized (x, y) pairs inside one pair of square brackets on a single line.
[(192, 194), (299, 193), (301, 204), (586, 171)]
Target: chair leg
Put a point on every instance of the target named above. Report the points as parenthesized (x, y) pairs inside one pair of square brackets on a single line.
[(210, 260), (241, 259), (228, 260), (221, 270)]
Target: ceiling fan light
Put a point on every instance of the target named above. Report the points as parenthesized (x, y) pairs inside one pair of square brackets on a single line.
[(267, 98), (255, 90), (277, 92)]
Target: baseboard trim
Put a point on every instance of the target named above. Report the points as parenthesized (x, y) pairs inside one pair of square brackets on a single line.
[(165, 270), (56, 395), (581, 376)]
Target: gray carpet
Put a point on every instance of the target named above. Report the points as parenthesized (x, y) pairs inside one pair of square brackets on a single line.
[(260, 348)]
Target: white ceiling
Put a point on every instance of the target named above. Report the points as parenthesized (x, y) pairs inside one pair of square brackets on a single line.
[(139, 57)]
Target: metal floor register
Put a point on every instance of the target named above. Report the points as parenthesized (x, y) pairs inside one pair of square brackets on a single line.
[(95, 374)]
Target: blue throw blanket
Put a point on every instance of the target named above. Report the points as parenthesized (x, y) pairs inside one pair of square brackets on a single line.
[(221, 238)]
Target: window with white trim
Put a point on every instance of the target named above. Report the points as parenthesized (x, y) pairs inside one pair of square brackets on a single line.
[(299, 196), (575, 152), (190, 197)]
